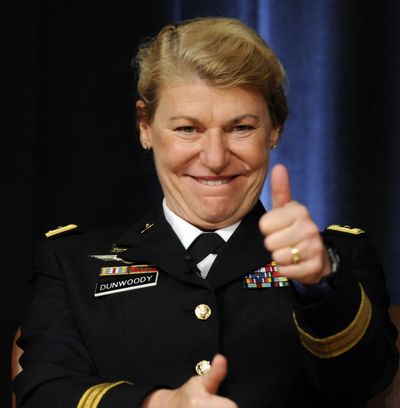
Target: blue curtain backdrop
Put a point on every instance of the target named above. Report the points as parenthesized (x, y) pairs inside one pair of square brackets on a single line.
[(74, 156), (341, 142)]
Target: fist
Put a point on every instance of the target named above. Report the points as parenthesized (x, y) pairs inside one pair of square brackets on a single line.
[(291, 235), (198, 392)]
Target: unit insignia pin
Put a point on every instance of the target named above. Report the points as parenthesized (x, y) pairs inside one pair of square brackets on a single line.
[(265, 277), (146, 227)]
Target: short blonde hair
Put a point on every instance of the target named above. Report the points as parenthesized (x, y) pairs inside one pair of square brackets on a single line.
[(222, 51)]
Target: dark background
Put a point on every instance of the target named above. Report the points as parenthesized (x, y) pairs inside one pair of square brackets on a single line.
[(73, 156)]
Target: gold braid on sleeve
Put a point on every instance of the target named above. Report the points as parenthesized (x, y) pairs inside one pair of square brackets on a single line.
[(339, 343), (92, 396)]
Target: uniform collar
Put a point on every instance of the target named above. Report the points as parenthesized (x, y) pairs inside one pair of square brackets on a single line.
[(152, 240), (187, 232)]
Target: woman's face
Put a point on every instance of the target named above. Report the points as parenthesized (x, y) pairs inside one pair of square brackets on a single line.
[(211, 150)]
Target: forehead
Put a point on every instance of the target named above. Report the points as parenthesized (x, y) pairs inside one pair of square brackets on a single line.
[(203, 100)]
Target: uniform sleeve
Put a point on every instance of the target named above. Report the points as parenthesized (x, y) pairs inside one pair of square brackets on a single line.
[(58, 369), (348, 340)]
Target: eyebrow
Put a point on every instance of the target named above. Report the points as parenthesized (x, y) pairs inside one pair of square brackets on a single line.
[(233, 121)]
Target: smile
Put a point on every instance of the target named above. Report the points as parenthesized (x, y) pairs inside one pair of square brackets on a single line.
[(214, 181)]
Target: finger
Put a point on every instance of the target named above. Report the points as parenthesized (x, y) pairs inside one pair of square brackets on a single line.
[(302, 229), (221, 402), (280, 186), (217, 373), (307, 250), (280, 218), (283, 238), (309, 272)]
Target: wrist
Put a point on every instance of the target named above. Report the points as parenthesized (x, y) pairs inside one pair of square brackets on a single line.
[(314, 292), (335, 264)]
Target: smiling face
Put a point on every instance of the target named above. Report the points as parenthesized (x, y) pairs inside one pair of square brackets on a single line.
[(211, 150)]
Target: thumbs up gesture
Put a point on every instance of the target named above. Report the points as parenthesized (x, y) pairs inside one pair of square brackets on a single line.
[(291, 235), (197, 392)]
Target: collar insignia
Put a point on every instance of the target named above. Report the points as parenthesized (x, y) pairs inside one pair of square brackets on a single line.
[(146, 227)]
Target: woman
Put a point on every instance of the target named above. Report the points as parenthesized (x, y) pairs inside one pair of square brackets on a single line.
[(142, 317)]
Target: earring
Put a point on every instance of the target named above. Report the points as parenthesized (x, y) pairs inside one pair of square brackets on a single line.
[(145, 147), (274, 146)]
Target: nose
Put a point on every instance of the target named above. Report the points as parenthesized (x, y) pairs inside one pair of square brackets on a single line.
[(215, 153)]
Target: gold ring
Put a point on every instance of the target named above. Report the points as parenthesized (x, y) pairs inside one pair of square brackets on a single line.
[(296, 258)]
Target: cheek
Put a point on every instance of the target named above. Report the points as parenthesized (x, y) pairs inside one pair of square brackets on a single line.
[(172, 158), (257, 158)]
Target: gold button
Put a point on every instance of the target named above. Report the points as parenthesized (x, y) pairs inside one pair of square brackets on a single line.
[(202, 312), (203, 367)]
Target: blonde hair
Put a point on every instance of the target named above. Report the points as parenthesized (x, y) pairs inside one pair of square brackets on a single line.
[(222, 51)]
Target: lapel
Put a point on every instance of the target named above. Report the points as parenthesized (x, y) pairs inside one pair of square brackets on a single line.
[(153, 241), (159, 245), (243, 253)]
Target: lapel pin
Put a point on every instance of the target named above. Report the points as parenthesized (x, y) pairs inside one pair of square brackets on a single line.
[(146, 227)]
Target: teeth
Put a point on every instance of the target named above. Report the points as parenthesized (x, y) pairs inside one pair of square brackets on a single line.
[(213, 182)]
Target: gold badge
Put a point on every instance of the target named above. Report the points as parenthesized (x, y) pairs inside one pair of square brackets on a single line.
[(60, 230), (346, 229)]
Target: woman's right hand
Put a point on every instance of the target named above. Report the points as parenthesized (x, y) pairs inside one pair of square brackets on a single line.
[(197, 392)]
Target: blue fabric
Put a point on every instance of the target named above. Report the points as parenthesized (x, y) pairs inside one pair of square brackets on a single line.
[(312, 293), (341, 142)]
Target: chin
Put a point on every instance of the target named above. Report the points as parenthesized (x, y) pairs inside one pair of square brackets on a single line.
[(218, 217)]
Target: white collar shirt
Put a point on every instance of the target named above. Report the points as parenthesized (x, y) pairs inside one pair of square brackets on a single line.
[(187, 233)]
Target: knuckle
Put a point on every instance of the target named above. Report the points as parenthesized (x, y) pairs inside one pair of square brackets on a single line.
[(301, 210), (292, 203), (317, 247), (269, 243), (278, 257), (264, 223), (310, 230)]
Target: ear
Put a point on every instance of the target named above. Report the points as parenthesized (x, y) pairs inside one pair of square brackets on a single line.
[(274, 136), (143, 125)]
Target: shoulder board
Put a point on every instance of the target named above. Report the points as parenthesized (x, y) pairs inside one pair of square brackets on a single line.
[(346, 229), (60, 230)]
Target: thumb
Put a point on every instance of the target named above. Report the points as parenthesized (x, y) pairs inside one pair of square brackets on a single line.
[(217, 373), (280, 186)]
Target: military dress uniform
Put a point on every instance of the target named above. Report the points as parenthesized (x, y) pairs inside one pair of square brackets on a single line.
[(120, 312)]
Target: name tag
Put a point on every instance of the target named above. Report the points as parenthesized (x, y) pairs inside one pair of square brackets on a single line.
[(121, 279)]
